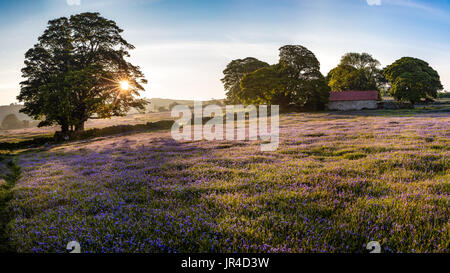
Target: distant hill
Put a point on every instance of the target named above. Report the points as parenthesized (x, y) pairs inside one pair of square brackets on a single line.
[(156, 103)]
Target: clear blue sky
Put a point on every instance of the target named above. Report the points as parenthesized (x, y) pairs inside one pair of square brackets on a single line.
[(183, 46)]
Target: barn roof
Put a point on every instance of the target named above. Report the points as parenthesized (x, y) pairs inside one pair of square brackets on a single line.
[(354, 95)]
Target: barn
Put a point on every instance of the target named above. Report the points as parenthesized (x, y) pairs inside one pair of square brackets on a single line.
[(353, 100)]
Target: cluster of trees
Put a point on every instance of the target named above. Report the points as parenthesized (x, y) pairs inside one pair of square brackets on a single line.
[(294, 81), (297, 81)]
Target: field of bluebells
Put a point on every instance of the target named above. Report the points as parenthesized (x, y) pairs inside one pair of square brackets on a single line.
[(336, 182)]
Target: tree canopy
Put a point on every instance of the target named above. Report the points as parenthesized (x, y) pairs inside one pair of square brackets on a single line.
[(345, 77), (234, 72), (268, 85), (360, 61), (75, 70), (356, 71), (295, 81), (412, 80)]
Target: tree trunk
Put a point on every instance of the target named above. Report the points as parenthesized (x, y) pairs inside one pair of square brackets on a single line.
[(64, 128), (64, 134), (79, 127)]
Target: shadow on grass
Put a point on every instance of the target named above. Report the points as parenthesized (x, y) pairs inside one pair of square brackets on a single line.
[(92, 133), (395, 113), (11, 173)]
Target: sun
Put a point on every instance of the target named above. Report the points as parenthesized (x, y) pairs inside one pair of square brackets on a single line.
[(124, 85)]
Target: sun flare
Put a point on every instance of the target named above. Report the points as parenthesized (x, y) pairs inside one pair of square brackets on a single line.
[(124, 85)]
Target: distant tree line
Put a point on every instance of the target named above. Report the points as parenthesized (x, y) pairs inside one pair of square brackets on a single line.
[(296, 81), (445, 94), (204, 103), (11, 122)]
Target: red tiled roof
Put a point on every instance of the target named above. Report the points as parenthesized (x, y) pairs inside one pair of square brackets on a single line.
[(353, 95)]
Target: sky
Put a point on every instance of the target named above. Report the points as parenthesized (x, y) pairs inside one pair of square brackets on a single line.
[(183, 46)]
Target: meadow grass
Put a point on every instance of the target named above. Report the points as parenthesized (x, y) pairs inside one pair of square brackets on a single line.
[(336, 182), (20, 135), (9, 174)]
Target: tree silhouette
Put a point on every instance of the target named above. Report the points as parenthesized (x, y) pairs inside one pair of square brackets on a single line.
[(75, 71)]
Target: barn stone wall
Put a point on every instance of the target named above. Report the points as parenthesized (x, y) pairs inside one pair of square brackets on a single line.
[(352, 105)]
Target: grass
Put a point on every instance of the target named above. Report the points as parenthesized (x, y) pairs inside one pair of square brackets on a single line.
[(31, 133), (88, 134), (9, 174), (337, 181)]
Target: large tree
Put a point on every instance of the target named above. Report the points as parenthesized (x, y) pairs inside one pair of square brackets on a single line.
[(412, 80), (307, 86), (77, 71), (295, 81), (234, 72), (356, 71)]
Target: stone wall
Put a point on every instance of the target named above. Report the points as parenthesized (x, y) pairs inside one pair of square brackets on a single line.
[(352, 105)]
